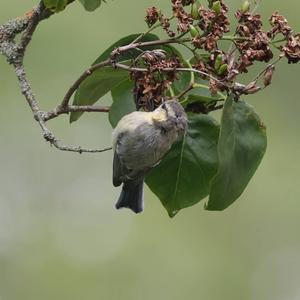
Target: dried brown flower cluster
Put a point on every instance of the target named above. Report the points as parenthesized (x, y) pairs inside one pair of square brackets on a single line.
[(256, 46), (213, 24), (150, 86), (279, 25), (292, 49), (207, 26), (165, 24), (184, 19), (152, 16)]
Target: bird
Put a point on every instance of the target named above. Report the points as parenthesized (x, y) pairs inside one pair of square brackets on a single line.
[(140, 141)]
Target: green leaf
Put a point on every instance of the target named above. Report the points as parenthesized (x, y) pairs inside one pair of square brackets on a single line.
[(90, 5), (182, 178), (96, 86), (56, 5), (242, 145), (123, 102)]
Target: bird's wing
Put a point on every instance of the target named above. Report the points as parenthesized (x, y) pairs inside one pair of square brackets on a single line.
[(121, 173), (118, 169), (134, 154)]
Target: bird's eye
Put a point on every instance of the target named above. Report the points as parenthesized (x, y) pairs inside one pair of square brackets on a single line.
[(163, 106)]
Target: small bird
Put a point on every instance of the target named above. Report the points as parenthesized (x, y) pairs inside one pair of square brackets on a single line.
[(140, 140)]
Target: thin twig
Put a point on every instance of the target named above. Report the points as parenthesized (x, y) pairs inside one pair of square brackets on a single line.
[(122, 49), (217, 107), (59, 110), (57, 144), (185, 91), (265, 69), (134, 69), (49, 136)]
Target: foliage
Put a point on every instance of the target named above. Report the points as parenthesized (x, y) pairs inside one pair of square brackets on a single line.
[(140, 70)]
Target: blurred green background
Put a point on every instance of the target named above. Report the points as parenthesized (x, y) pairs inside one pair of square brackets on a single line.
[(60, 236)]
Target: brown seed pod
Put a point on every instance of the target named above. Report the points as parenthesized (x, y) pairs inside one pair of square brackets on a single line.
[(268, 76)]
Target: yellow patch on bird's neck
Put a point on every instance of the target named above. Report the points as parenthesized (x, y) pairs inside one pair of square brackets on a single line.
[(159, 116)]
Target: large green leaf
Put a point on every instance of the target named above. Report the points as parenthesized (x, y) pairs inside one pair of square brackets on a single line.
[(182, 178), (242, 145), (91, 5), (96, 86), (56, 5), (123, 102)]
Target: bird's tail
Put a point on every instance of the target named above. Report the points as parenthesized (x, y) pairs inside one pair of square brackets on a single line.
[(132, 196)]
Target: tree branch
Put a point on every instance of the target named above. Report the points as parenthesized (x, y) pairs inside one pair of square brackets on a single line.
[(190, 70), (59, 110), (120, 50), (185, 91), (14, 54), (34, 19)]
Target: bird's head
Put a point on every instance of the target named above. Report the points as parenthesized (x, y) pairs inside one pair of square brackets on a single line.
[(171, 112)]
